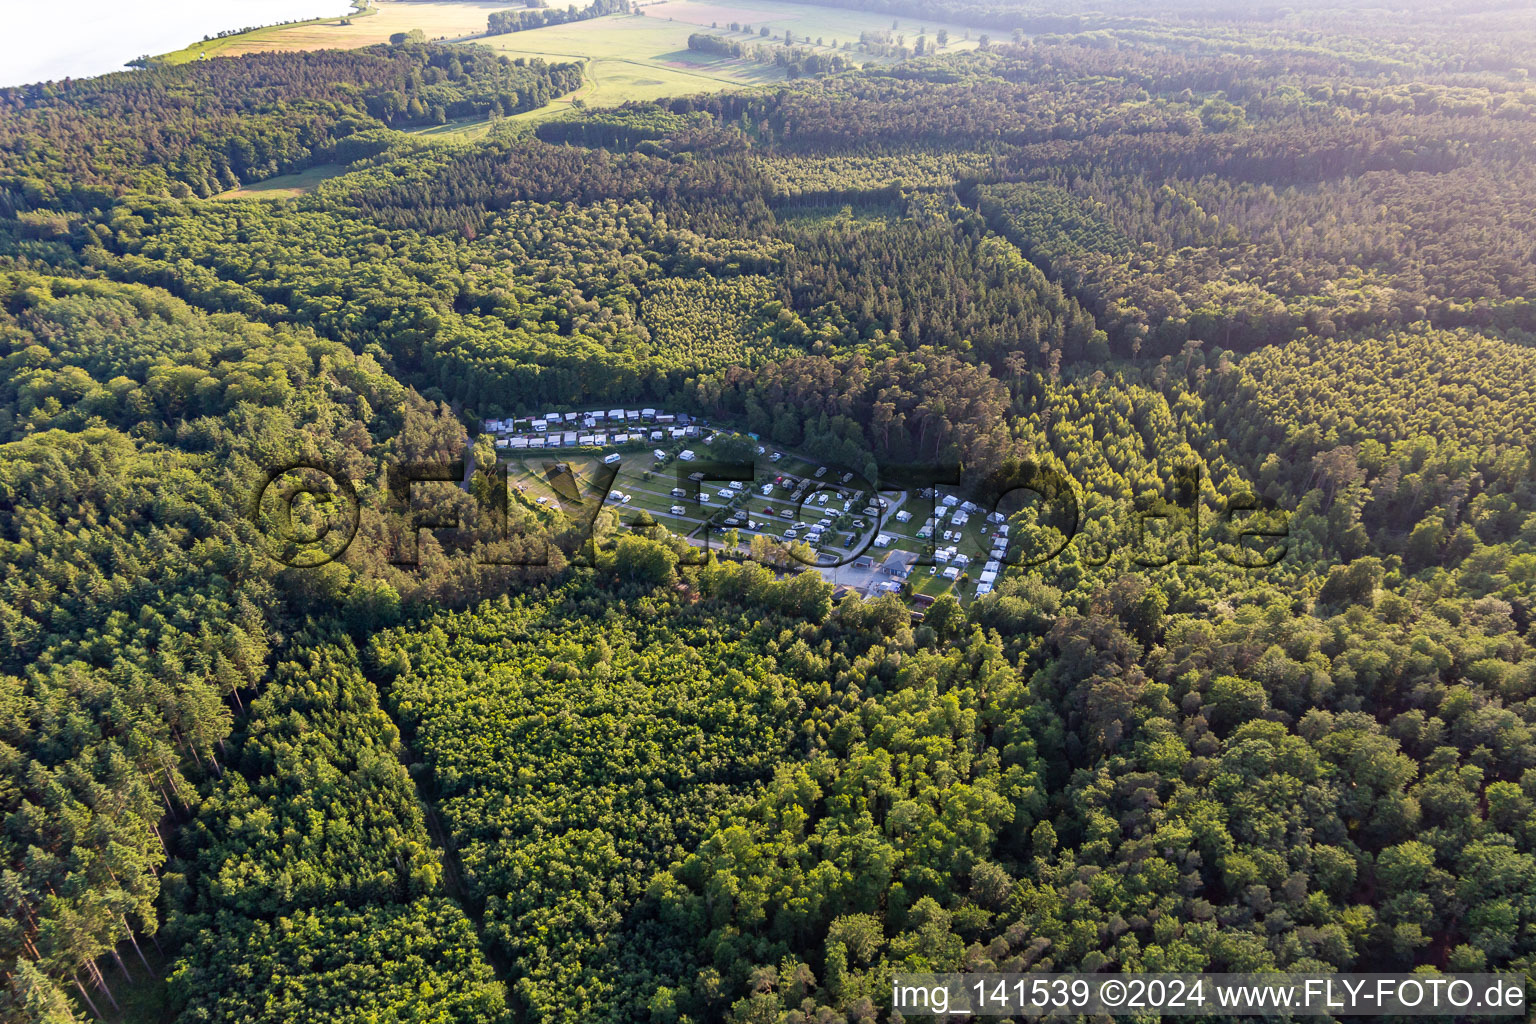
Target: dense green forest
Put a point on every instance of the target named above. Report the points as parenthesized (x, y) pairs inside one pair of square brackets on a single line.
[(1286, 255)]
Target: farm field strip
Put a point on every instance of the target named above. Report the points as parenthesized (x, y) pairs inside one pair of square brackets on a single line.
[(455, 21)]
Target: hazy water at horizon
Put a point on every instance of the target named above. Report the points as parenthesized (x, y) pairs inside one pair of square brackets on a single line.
[(77, 38)]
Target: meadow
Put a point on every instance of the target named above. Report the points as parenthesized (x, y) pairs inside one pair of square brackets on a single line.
[(646, 56), (285, 186)]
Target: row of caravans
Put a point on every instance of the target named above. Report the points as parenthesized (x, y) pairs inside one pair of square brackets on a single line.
[(565, 421), (575, 439), (591, 429)]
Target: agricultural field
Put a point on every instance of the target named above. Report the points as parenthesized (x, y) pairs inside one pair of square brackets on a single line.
[(375, 24), (646, 56), (625, 57)]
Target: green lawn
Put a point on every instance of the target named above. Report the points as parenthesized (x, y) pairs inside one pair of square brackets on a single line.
[(457, 131), (934, 586)]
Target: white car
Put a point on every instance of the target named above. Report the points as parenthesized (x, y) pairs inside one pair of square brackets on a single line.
[(775, 457)]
